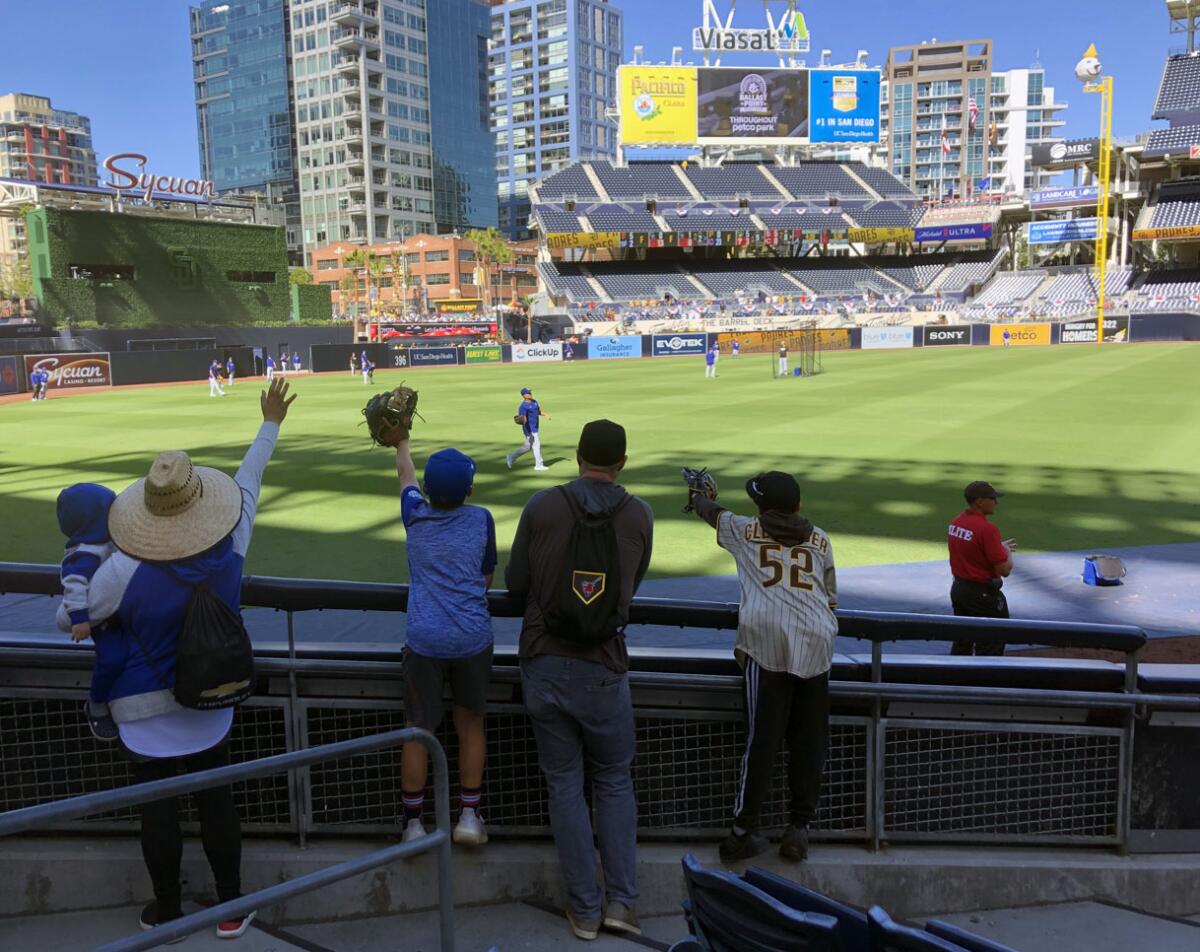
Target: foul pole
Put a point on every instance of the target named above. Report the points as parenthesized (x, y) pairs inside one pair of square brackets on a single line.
[(1105, 88)]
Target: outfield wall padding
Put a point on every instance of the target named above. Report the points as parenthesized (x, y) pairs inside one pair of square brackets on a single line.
[(270, 339), (1164, 327), (330, 358), (172, 366)]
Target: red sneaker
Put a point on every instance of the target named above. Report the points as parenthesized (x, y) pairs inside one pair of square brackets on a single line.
[(233, 928)]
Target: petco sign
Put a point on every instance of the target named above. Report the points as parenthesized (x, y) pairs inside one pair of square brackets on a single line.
[(536, 353), (788, 34), (128, 170), (68, 371)]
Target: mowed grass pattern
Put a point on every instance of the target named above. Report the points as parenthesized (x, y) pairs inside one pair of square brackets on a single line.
[(1096, 447)]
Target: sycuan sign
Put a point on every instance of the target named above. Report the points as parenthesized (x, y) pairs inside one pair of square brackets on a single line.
[(125, 180)]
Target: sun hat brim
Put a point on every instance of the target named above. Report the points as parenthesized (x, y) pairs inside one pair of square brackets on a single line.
[(138, 532)]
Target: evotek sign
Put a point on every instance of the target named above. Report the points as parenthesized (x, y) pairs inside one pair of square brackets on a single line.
[(678, 345), (788, 34), (934, 336), (124, 180)]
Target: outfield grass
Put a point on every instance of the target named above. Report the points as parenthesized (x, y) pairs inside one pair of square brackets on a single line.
[(1097, 447)]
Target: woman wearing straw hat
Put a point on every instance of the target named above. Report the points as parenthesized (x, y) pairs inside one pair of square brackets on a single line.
[(178, 527)]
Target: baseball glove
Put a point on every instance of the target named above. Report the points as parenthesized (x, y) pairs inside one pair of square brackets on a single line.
[(519, 420), (389, 416), (700, 482)]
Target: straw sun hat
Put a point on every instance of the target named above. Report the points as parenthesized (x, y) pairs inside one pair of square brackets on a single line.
[(177, 511)]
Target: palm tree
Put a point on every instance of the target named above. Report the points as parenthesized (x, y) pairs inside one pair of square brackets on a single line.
[(359, 260), (492, 250)]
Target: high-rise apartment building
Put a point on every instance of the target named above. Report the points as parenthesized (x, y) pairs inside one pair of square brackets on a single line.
[(387, 133), (43, 144), (553, 83), (954, 127)]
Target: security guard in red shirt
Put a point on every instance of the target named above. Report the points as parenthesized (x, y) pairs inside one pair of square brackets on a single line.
[(979, 561)]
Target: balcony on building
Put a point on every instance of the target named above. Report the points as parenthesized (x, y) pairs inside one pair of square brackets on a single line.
[(348, 14), (356, 39)]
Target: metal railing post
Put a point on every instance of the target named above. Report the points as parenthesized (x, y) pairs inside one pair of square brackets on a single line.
[(877, 750), (441, 795), (296, 777), (1129, 721)]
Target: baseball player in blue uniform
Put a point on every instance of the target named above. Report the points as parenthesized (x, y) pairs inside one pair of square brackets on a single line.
[(39, 380), (296, 361), (736, 348), (214, 380), (710, 362), (1007, 338), (270, 365), (529, 415), (229, 368)]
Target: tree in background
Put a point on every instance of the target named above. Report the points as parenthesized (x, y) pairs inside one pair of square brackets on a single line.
[(349, 285), (492, 250), (299, 276), (377, 270)]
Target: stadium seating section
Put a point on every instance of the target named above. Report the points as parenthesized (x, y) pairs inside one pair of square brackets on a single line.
[(571, 182), (1168, 141), (1176, 214), (1179, 91)]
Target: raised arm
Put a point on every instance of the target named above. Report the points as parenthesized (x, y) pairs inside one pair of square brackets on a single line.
[(707, 509), (275, 404), (405, 468)]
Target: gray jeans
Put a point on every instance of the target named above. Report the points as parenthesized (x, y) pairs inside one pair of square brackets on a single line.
[(582, 709)]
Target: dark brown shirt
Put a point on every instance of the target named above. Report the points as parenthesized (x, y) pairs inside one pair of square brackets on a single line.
[(535, 563)]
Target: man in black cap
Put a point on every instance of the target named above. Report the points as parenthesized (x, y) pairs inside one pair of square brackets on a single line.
[(786, 630), (580, 552), (979, 562)]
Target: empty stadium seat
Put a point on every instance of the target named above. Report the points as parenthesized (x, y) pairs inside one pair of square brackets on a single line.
[(729, 278), (565, 278), (852, 931), (642, 180), (890, 936), (732, 181), (803, 217), (556, 218), (730, 915), (1179, 90), (884, 215), (970, 271), (623, 282), (818, 180), (1176, 214), (1175, 139), (883, 182), (1008, 288), (967, 940), (570, 182), (621, 218)]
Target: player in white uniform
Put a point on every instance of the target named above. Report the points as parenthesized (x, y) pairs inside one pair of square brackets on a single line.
[(214, 380), (783, 354), (786, 631)]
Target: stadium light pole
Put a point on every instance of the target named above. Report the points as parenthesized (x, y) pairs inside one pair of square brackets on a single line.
[(1087, 71)]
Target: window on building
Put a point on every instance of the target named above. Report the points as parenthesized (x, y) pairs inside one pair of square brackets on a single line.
[(440, 255), (437, 279)]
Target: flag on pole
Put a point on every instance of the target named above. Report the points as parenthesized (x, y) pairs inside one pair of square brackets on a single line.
[(945, 143), (973, 112)]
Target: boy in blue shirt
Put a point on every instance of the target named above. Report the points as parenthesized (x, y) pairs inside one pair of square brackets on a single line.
[(451, 558), (528, 416)]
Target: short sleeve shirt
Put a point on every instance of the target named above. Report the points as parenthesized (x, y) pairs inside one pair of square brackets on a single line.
[(975, 547), (531, 411), (449, 553), (785, 622)]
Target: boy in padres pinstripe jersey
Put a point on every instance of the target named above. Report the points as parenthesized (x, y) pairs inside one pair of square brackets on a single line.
[(786, 629)]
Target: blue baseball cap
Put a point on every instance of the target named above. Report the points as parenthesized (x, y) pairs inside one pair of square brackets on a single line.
[(526, 390), (449, 475)]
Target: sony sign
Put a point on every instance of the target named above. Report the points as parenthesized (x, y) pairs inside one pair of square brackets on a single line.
[(123, 179), (788, 34)]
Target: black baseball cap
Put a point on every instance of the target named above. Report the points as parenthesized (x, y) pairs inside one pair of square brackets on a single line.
[(980, 490), (602, 443), (774, 490)]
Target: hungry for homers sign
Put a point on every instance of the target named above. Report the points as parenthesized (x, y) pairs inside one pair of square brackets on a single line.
[(69, 371), (129, 174)]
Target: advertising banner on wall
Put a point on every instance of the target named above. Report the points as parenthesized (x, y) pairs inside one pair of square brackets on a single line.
[(432, 356), (875, 236), (1020, 335), (458, 305), (678, 345), (1078, 197), (612, 348), (1060, 230), (396, 358), (760, 106), (658, 104), (761, 342), (69, 371), (1064, 154), (536, 353), (1116, 330), (886, 338), (10, 380), (942, 336), (844, 105), (583, 239), (1178, 233), (484, 354), (980, 231)]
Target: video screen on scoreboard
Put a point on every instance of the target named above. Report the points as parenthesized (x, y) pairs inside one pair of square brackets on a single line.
[(761, 105)]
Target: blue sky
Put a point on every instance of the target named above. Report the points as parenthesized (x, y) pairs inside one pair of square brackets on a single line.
[(127, 63)]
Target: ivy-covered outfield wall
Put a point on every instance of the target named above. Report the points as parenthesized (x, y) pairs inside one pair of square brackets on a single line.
[(135, 271), (311, 303)]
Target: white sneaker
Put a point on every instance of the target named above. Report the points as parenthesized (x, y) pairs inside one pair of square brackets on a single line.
[(540, 469), (509, 460), (414, 831), (470, 830)]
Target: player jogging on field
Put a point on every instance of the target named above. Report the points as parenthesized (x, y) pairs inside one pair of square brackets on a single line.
[(979, 562), (786, 630), (214, 380), (528, 416), (783, 355), (229, 370)]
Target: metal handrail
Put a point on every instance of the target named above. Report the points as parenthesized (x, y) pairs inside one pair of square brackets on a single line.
[(28, 818)]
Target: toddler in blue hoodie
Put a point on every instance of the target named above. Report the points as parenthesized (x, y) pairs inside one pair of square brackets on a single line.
[(83, 518)]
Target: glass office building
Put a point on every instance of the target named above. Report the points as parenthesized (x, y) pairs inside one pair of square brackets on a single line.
[(552, 83)]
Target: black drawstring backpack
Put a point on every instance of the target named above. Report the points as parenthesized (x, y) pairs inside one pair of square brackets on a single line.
[(214, 662)]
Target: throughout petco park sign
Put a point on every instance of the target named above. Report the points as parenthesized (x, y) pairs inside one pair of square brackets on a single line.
[(128, 170), (788, 34)]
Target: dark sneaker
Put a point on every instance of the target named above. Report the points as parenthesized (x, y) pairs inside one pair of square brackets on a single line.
[(102, 726), (151, 917), (232, 928), (619, 917), (739, 846), (794, 845), (584, 928)]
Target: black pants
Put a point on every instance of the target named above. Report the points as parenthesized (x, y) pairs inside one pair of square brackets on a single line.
[(779, 706), (978, 600), (220, 829)]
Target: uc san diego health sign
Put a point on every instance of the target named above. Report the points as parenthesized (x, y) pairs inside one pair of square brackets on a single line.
[(128, 170)]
